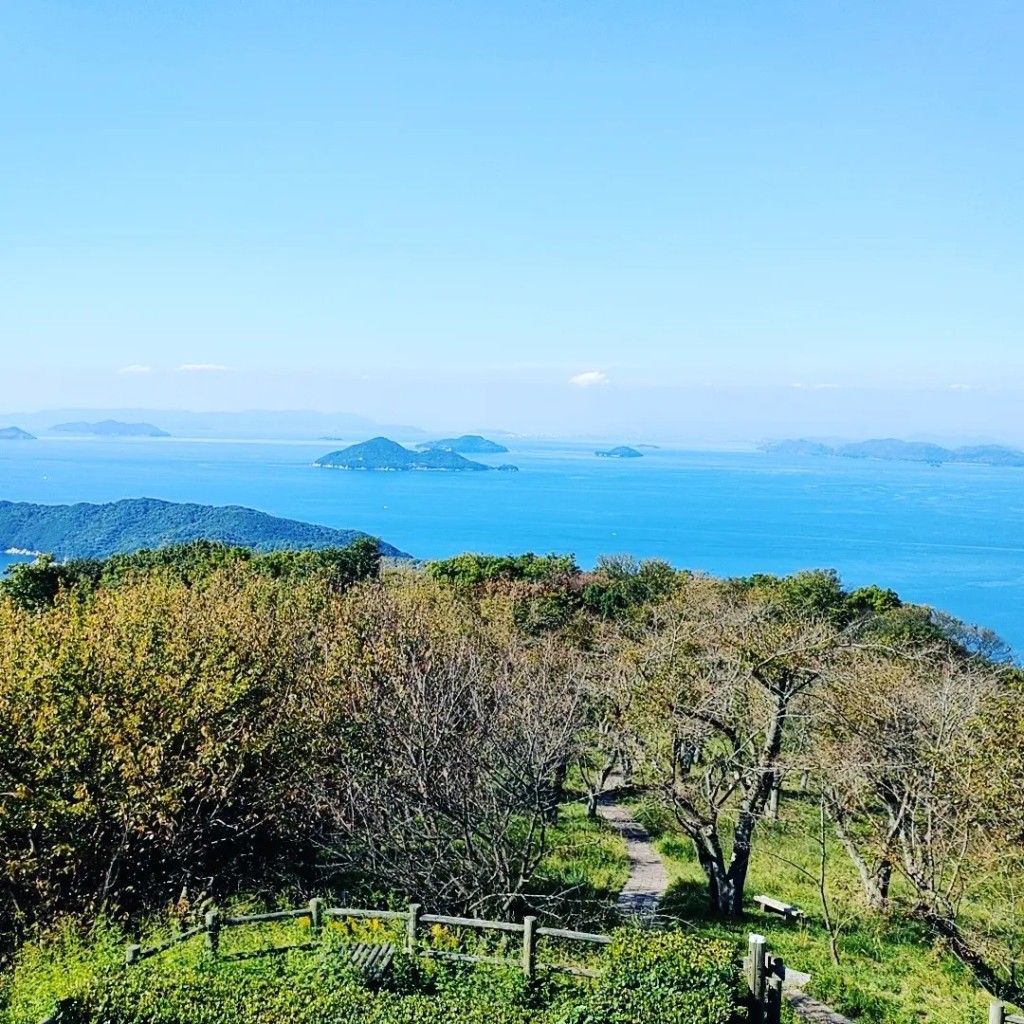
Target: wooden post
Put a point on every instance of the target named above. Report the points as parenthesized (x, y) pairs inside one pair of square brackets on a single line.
[(996, 1012), (412, 928), (529, 947), (131, 954), (757, 945), (773, 992), (212, 932), (316, 915)]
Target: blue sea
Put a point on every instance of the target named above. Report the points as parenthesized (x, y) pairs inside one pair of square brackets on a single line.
[(947, 536)]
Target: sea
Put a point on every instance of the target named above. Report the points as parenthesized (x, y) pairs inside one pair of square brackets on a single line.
[(949, 536)]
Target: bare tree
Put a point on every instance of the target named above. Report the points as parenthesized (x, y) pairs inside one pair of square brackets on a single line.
[(899, 734), (447, 759), (719, 679)]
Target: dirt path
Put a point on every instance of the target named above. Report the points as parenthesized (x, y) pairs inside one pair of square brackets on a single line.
[(647, 880)]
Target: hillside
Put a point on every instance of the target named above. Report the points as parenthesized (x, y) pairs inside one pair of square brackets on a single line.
[(467, 444), (96, 531), (15, 434), (109, 428), (380, 453)]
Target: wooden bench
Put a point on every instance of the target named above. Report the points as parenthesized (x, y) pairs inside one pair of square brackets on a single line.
[(774, 906), (371, 959)]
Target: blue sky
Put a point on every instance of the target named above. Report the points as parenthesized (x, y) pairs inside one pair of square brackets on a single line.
[(540, 216)]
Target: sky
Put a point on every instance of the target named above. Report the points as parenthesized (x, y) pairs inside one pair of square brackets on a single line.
[(682, 219)]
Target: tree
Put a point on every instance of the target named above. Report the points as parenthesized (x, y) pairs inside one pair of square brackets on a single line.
[(449, 750), (719, 674), (903, 738)]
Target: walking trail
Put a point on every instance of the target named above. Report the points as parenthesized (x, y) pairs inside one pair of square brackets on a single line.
[(648, 880)]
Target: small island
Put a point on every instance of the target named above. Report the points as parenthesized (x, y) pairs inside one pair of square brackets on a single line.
[(467, 444), (15, 434), (383, 454), (622, 452), (506, 467), (109, 428), (894, 450)]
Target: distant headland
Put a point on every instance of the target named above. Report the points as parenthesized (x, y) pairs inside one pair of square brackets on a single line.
[(467, 444), (381, 453), (98, 531), (109, 428), (15, 434), (622, 452), (893, 449)]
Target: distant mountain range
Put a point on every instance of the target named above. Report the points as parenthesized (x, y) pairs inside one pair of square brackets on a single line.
[(467, 444), (381, 453), (902, 451), (252, 424), (98, 531), (15, 434), (109, 428)]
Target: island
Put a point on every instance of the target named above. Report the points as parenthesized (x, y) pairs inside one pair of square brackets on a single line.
[(894, 450), (15, 434), (622, 452), (381, 453), (98, 531), (506, 467), (467, 444), (109, 428)]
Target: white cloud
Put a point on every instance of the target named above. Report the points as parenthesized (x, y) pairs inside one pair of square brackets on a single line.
[(201, 368), (589, 379), (135, 370), (816, 387), (964, 387)]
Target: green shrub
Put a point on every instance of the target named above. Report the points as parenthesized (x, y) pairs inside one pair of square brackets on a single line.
[(663, 978)]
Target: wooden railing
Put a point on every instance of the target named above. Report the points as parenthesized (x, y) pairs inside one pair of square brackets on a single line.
[(317, 914), (997, 1014)]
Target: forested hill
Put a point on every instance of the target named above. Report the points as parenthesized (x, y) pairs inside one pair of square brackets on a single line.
[(97, 531)]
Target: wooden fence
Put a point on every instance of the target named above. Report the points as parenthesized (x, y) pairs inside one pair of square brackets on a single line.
[(414, 920), (997, 1014)]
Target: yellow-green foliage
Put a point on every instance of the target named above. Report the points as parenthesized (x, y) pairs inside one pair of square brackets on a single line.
[(153, 730)]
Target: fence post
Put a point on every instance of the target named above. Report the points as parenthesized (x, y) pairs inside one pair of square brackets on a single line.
[(529, 947), (773, 993), (212, 932), (757, 945), (413, 927), (131, 954), (316, 915), (996, 1012)]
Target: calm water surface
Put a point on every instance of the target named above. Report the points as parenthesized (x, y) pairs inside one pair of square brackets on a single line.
[(948, 536)]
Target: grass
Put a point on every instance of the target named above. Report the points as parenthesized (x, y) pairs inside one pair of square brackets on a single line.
[(890, 971)]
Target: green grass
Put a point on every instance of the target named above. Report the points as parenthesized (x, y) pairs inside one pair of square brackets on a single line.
[(890, 971)]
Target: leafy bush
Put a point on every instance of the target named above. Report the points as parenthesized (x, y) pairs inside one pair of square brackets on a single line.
[(667, 978)]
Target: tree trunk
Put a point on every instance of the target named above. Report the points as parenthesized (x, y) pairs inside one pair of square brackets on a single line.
[(875, 878), (725, 882), (1002, 988), (773, 797)]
